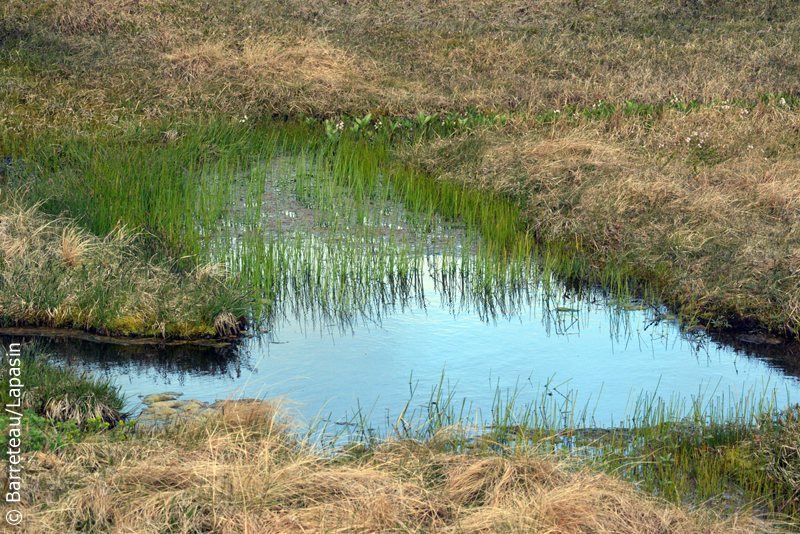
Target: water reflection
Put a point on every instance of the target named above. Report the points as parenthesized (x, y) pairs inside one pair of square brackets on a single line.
[(368, 304), (144, 365), (572, 342)]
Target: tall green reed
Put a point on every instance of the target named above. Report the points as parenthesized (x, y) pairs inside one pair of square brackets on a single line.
[(307, 225)]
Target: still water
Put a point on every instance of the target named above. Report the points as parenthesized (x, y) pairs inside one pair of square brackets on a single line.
[(586, 349), (393, 348)]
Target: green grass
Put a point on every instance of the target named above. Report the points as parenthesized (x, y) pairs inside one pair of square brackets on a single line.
[(60, 394), (306, 223), (470, 90)]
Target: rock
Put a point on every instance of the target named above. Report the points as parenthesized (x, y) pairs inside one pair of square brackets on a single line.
[(193, 406), (162, 410), (158, 397), (157, 411)]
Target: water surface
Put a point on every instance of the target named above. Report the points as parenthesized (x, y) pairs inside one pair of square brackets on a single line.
[(599, 354), (348, 337)]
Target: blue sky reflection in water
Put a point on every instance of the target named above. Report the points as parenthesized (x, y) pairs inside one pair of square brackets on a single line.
[(598, 351), (583, 353), (373, 356)]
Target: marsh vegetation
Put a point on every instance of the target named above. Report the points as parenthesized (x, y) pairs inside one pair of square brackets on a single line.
[(181, 169)]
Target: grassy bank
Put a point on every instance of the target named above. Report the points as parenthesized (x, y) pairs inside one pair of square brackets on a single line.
[(57, 402), (701, 203), (230, 478), (658, 136), (248, 470), (105, 62), (528, 469), (56, 274)]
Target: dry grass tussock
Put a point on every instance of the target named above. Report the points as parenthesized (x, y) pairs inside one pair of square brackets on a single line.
[(247, 474), (58, 275), (708, 198)]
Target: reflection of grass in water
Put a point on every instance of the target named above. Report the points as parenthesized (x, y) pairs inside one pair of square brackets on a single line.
[(248, 196), (343, 232)]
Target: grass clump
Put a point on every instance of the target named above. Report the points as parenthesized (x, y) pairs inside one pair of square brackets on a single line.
[(57, 275), (59, 405), (243, 475), (777, 451)]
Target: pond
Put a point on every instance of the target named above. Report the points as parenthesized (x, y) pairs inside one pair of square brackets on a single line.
[(375, 306), (595, 359)]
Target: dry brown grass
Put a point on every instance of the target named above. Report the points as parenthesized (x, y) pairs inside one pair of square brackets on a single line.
[(225, 478), (75, 243), (117, 60)]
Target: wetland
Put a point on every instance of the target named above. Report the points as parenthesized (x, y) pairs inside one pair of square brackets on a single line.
[(496, 266), (368, 298)]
